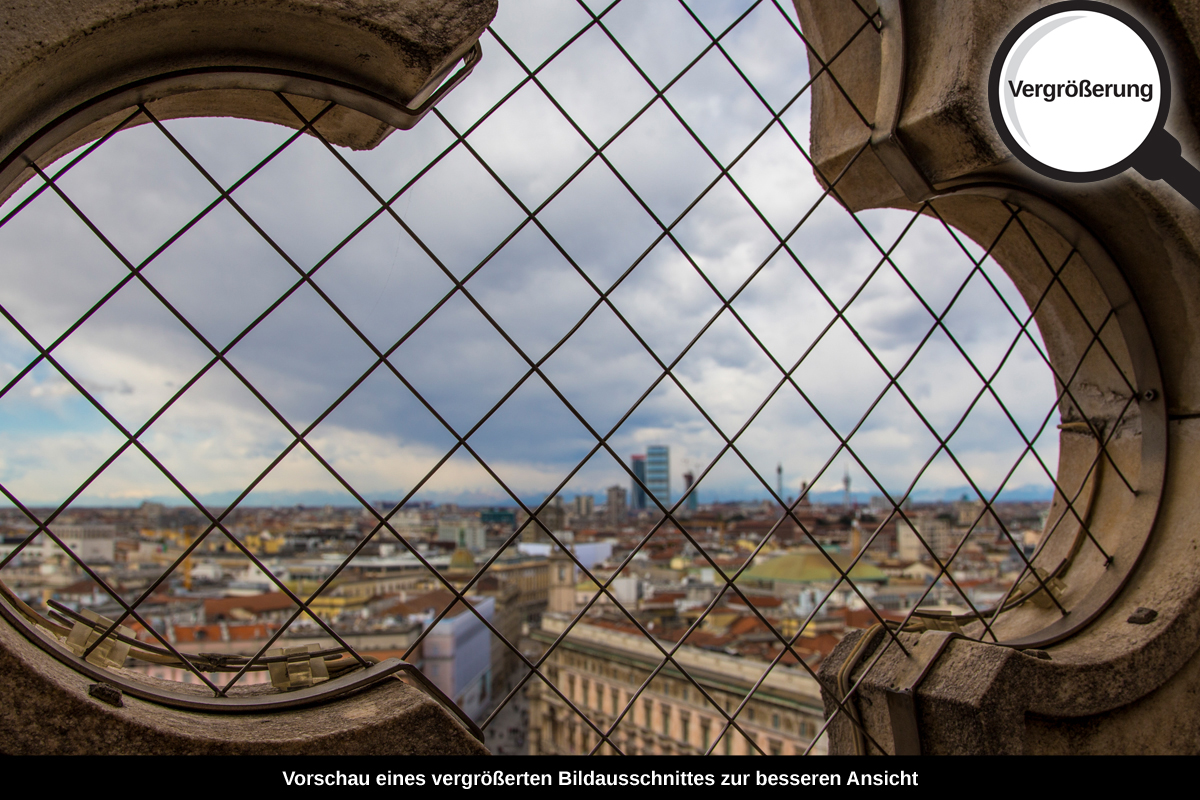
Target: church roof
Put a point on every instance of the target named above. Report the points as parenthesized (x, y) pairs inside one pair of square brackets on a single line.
[(810, 565)]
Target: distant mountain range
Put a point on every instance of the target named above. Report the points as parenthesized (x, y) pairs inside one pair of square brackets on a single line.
[(1027, 494)]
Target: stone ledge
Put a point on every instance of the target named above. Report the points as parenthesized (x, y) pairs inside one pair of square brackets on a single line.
[(1112, 674), (48, 710), (57, 55)]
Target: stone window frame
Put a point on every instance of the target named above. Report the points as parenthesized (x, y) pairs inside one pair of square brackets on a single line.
[(65, 69), (912, 164), (931, 139)]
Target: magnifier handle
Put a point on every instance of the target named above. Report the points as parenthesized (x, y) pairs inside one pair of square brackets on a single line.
[(1161, 158)]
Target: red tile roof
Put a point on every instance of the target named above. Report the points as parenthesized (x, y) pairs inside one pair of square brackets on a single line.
[(216, 608), (863, 617), (255, 631), (749, 624), (186, 634)]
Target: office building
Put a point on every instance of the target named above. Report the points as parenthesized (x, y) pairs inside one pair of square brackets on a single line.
[(615, 506), (658, 473), (693, 500), (638, 463)]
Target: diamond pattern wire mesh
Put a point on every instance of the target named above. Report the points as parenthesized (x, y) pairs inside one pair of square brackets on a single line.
[(670, 150)]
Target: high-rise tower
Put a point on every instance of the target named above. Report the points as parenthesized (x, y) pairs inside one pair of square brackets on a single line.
[(636, 492), (693, 500), (658, 472), (615, 506)]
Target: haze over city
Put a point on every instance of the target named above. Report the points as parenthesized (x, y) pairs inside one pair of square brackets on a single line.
[(451, 422), (133, 355)]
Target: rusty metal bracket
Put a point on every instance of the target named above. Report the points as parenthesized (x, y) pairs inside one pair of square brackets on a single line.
[(902, 692)]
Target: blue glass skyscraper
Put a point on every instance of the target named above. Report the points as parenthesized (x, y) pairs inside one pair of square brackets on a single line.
[(658, 473)]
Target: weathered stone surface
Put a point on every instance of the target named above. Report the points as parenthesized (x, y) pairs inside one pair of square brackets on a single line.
[(1163, 721), (48, 709), (1115, 686), (58, 54)]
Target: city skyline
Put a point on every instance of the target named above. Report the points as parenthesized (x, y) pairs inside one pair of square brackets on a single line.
[(133, 354)]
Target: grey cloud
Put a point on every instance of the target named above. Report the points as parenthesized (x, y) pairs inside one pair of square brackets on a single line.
[(221, 275)]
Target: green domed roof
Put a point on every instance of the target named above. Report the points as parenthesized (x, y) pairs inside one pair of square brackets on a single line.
[(811, 566), (462, 560)]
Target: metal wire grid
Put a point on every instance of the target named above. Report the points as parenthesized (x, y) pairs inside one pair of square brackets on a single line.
[(1015, 226)]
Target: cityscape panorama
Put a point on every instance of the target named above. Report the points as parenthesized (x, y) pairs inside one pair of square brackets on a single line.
[(587, 396)]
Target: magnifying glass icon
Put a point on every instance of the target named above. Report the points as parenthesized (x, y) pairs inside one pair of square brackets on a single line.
[(1079, 91)]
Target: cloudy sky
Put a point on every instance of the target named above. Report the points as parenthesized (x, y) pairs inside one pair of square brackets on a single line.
[(133, 354)]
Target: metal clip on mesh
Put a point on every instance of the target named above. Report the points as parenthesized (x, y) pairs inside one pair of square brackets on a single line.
[(299, 669), (301, 673), (1042, 590), (308, 675), (109, 653)]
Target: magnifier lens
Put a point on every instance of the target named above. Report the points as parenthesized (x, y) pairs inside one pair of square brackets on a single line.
[(1080, 91)]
